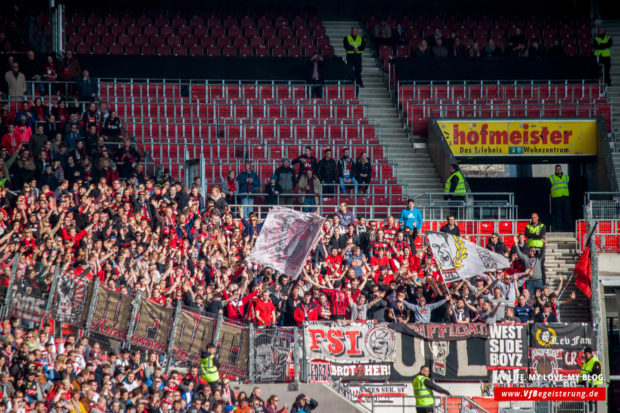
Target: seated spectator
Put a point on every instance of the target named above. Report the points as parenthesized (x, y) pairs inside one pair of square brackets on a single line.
[(422, 50), (474, 50), (112, 126), (439, 50), (362, 171), (457, 49), (491, 49), (535, 49), (399, 37), (516, 44), (432, 39), (382, 33), (556, 49), (69, 68)]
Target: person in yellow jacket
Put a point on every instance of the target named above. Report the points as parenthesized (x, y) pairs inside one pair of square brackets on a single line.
[(560, 201), (209, 366), (454, 188), (602, 52), (535, 232), (423, 388), (591, 370), (354, 45)]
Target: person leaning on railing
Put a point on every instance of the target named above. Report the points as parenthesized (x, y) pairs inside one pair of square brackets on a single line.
[(423, 388)]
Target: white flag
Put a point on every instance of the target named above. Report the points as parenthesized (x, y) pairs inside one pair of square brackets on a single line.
[(286, 239), (459, 259)]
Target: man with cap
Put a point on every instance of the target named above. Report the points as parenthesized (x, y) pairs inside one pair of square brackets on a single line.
[(345, 174), (590, 372), (285, 179), (423, 388), (209, 366)]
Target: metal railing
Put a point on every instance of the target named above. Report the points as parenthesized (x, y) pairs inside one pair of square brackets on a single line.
[(605, 205), (606, 235), (475, 205)]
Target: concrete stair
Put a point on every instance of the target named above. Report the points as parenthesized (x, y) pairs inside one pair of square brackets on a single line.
[(415, 170), (561, 257), (613, 92)]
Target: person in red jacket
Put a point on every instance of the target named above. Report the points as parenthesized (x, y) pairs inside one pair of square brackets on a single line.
[(264, 311), (307, 310), (74, 236)]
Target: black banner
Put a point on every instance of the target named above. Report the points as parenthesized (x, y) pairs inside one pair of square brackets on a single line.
[(29, 298), (442, 332), (556, 350), (273, 353), (153, 326), (507, 351), (234, 350), (72, 299), (458, 360), (112, 313)]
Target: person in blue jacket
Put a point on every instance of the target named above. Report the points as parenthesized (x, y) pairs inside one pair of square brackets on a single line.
[(411, 217)]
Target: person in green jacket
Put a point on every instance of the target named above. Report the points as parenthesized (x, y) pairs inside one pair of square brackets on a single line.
[(209, 366), (5, 177), (423, 388)]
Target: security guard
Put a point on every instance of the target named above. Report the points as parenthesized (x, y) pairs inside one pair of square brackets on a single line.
[(590, 367), (354, 44), (423, 388), (209, 366), (535, 231), (602, 51), (560, 201), (455, 184)]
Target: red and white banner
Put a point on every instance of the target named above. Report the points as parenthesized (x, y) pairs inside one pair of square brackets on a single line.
[(285, 240), (352, 343)]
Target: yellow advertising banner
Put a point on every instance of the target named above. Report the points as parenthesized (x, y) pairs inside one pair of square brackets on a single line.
[(533, 137)]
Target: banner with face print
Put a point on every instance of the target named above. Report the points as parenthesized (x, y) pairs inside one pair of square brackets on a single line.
[(72, 299), (286, 239)]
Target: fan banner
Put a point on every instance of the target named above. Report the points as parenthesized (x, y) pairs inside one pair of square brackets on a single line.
[(193, 334), (112, 314), (71, 299), (459, 259), (153, 326), (234, 350), (507, 361), (351, 343), (285, 240)]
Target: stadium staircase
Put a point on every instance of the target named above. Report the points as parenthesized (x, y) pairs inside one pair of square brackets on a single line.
[(561, 256), (613, 92), (414, 168)]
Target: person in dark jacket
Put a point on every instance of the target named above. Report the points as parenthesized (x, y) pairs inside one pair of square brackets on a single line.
[(362, 171), (316, 74), (249, 183), (450, 227), (285, 179), (273, 191), (87, 87), (345, 172), (126, 159), (304, 404), (497, 245), (112, 125), (328, 173), (305, 162)]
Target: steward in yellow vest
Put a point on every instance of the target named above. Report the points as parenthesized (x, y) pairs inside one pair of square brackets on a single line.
[(591, 370), (209, 366), (561, 219), (423, 388), (535, 231), (602, 51), (354, 44), (454, 188)]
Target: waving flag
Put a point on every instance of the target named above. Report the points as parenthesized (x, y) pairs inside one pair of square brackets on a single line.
[(286, 239), (459, 259)]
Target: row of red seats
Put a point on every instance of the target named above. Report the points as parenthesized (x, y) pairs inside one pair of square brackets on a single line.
[(606, 237), (213, 90), (346, 133), (179, 112), (557, 92)]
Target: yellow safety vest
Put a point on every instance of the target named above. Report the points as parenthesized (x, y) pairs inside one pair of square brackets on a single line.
[(602, 52), (586, 368), (209, 371), (357, 42), (559, 186), (536, 243), (460, 186), (423, 395), (3, 182)]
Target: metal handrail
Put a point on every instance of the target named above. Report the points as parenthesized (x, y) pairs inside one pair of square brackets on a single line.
[(439, 197), (590, 196)]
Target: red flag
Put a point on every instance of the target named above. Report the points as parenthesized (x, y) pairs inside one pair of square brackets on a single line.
[(583, 269)]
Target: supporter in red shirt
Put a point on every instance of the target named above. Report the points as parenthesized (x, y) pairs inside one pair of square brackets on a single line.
[(338, 299), (306, 310), (390, 229), (264, 311)]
